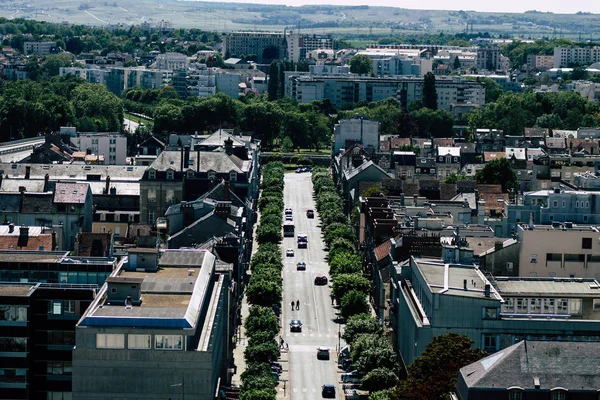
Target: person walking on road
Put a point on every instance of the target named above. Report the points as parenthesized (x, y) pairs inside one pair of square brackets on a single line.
[(297, 304), (292, 305)]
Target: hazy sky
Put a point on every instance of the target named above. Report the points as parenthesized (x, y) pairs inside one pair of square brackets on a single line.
[(519, 6)]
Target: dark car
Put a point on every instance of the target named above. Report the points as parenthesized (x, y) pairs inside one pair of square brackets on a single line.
[(328, 391), (295, 325), (301, 266), (320, 280), (322, 353), (310, 214)]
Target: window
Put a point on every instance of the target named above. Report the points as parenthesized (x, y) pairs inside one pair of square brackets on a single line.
[(69, 306), (564, 204), (102, 216), (13, 375), (522, 306), (59, 368), (575, 306), (585, 218), (12, 344), (110, 341), (549, 307), (558, 394), (490, 342), (555, 204), (13, 313), (169, 342), (232, 176), (59, 396), (138, 341), (596, 305), (562, 306), (417, 170), (587, 204), (151, 216), (170, 174), (490, 313), (586, 243), (508, 306), (170, 195), (151, 196), (515, 394), (190, 173), (151, 174), (55, 307)]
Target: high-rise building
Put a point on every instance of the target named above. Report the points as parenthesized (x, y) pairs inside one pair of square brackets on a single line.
[(563, 56)]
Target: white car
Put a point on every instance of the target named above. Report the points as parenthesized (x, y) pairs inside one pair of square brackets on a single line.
[(289, 253)]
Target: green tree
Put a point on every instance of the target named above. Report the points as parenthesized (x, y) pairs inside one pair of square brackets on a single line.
[(551, 121), (454, 178), (95, 101), (433, 123), (273, 85), (379, 395), (344, 283), (426, 380), (359, 325), (268, 233), (375, 189), (456, 64), (258, 376), (259, 394), (264, 292), (378, 379), (429, 91), (498, 172), (344, 263), (262, 352), (361, 64), (261, 319), (353, 303)]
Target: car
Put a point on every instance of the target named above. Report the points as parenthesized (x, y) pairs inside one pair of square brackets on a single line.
[(328, 391), (351, 377), (299, 170), (289, 253), (301, 266), (295, 325), (320, 280), (289, 218), (345, 363), (310, 214), (288, 211), (322, 353)]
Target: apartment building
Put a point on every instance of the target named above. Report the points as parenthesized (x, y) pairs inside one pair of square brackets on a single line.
[(351, 89), (399, 62), (112, 145), (430, 297), (488, 58), (267, 46), (563, 56), (171, 61), (358, 130), (541, 63), (156, 331), (300, 46), (42, 48)]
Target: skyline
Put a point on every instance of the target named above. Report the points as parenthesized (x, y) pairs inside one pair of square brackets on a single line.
[(508, 6)]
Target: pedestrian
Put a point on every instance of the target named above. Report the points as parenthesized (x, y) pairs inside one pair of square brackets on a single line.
[(287, 347), (297, 304), (280, 342), (332, 298), (292, 305)]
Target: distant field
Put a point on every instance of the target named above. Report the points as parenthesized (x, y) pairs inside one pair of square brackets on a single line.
[(338, 20)]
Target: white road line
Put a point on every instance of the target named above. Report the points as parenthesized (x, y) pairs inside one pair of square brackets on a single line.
[(95, 17)]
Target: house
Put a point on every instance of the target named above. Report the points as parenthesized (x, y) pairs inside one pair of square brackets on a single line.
[(534, 369), (148, 150), (404, 163), (88, 244), (368, 171), (493, 155), (425, 168), (358, 130), (114, 211), (448, 161), (174, 314)]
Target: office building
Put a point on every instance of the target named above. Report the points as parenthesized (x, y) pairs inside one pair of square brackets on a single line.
[(540, 63), (156, 331)]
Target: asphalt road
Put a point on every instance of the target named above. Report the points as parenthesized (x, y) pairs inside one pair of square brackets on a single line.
[(130, 125), (307, 374)]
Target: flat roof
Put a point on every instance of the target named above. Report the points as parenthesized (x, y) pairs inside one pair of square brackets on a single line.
[(32, 256), (448, 279), (548, 286), (14, 289)]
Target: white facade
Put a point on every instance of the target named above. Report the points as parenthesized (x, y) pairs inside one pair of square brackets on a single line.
[(229, 84), (563, 56), (356, 130), (171, 61), (112, 146), (302, 45), (38, 47)]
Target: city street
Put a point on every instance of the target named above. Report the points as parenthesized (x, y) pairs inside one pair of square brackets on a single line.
[(307, 373)]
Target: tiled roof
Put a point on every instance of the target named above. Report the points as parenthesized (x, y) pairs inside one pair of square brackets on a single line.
[(489, 188), (383, 250), (39, 242), (219, 162), (492, 155), (37, 203), (410, 189), (447, 191), (71, 193)]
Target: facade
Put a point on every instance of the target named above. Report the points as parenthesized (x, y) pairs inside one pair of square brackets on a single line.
[(112, 145), (534, 369), (171, 61), (541, 63), (431, 297), (356, 131), (228, 84), (563, 56), (38, 47), (561, 250), (37, 336), (488, 58), (300, 46), (399, 62), (159, 333), (265, 45), (351, 89)]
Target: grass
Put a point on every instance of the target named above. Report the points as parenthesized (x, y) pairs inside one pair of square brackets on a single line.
[(137, 119)]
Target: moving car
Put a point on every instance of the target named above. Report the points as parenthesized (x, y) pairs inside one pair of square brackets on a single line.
[(301, 266), (289, 218), (310, 214), (322, 353), (320, 280), (295, 325), (288, 211), (289, 253), (328, 391)]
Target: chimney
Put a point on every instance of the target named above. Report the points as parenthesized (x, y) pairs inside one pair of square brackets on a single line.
[(113, 191), (46, 179), (24, 231), (229, 146), (27, 172), (464, 284), (107, 188), (415, 197), (223, 209), (487, 291), (186, 157), (11, 228), (181, 160), (197, 158), (226, 195)]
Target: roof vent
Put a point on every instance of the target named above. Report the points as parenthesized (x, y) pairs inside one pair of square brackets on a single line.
[(128, 303), (536, 382), (190, 272)]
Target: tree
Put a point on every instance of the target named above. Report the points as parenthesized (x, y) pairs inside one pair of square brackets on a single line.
[(261, 319), (498, 172), (268, 233), (454, 178), (359, 325), (456, 64), (380, 395), (433, 123), (429, 91), (426, 380), (361, 64), (378, 379), (338, 233), (95, 101), (344, 283), (550, 121), (262, 352), (258, 394), (264, 292), (344, 263), (340, 245), (353, 303), (375, 189), (53, 62), (258, 376), (273, 86)]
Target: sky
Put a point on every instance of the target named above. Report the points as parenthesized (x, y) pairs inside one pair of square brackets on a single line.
[(517, 6)]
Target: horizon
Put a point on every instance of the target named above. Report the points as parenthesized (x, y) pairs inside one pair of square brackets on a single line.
[(509, 6)]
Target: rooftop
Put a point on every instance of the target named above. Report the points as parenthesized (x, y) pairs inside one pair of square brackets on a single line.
[(535, 286), (71, 193), (8, 256), (15, 289)]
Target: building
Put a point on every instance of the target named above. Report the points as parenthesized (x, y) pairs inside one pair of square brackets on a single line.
[(343, 89), (358, 130), (300, 46), (266, 46), (156, 331), (37, 336), (171, 61), (42, 48), (561, 250), (534, 369), (488, 58), (112, 145), (229, 84), (34, 238), (399, 61), (431, 297), (563, 56), (540, 63)]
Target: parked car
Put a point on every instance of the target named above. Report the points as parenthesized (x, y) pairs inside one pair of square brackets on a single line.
[(310, 214), (322, 353), (295, 325), (320, 280), (351, 377), (345, 364), (328, 391), (301, 266), (289, 218), (288, 211), (289, 253)]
